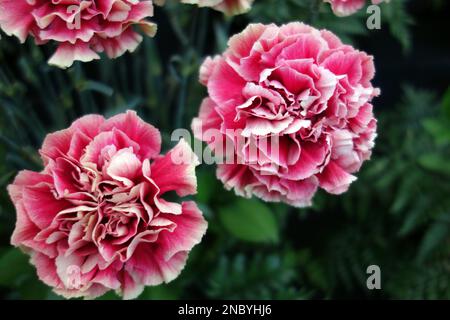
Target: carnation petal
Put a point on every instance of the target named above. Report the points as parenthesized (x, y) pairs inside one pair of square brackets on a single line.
[(15, 18), (46, 269), (145, 135), (67, 53), (225, 83), (130, 288), (124, 166), (334, 179), (189, 230), (41, 205), (150, 268)]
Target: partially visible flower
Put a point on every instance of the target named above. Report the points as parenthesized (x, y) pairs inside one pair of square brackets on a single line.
[(345, 8), (294, 104), (95, 219), (229, 7), (81, 29)]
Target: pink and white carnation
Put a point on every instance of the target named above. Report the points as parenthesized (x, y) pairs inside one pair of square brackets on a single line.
[(298, 87), (95, 219), (345, 8), (80, 28), (229, 7)]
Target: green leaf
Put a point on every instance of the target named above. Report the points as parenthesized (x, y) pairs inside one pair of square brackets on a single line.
[(33, 288), (399, 22), (250, 220), (433, 237), (163, 292), (440, 130), (96, 86), (221, 37), (414, 218), (13, 265), (206, 186)]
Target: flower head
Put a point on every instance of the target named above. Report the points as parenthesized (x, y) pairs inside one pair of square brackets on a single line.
[(294, 103), (81, 28), (95, 219)]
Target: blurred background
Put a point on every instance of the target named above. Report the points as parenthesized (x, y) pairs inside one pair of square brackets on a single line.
[(396, 215)]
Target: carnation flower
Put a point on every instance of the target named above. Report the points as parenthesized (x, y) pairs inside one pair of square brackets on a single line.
[(95, 219), (348, 7), (81, 29), (229, 7), (300, 88)]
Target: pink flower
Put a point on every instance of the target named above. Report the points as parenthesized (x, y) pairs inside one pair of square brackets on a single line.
[(299, 90), (95, 219), (229, 7), (345, 8), (81, 29)]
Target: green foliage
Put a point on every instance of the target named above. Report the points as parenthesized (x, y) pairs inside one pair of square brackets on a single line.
[(13, 257), (17, 273), (399, 21), (396, 215), (258, 277), (393, 15)]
